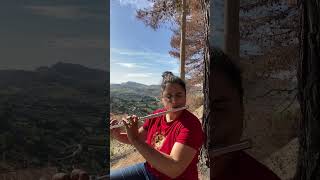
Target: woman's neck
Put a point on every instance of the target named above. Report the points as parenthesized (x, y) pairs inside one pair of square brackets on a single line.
[(172, 116)]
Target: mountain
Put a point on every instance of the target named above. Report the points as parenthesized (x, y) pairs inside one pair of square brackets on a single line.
[(64, 74), (135, 88), (77, 72), (134, 98)]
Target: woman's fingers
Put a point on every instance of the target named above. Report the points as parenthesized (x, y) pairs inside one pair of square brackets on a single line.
[(130, 121), (135, 118), (114, 122), (125, 122)]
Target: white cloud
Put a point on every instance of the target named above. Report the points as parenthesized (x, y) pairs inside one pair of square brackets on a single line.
[(137, 4), (175, 71), (139, 75), (130, 65), (125, 65), (131, 52), (63, 12), (170, 61), (151, 56)]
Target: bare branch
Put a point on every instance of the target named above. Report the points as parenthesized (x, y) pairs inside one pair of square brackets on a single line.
[(289, 91), (291, 102)]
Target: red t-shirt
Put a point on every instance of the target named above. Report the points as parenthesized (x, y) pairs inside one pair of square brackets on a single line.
[(186, 129), (245, 167)]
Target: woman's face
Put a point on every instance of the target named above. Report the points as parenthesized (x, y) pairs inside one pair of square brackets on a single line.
[(173, 96)]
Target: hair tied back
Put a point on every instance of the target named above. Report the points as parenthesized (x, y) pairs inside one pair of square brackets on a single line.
[(167, 75)]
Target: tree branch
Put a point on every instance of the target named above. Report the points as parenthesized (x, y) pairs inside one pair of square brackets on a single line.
[(274, 90), (291, 102)]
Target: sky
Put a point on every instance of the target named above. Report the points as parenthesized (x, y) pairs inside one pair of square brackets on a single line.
[(137, 53), (37, 33)]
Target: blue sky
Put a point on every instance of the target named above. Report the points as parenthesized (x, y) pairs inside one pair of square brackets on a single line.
[(42, 32), (137, 53)]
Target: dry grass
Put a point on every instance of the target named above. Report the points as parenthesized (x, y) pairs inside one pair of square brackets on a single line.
[(194, 101)]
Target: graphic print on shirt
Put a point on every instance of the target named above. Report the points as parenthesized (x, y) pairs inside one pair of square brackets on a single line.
[(157, 140)]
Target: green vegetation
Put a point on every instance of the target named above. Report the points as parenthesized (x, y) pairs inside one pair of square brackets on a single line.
[(134, 98)]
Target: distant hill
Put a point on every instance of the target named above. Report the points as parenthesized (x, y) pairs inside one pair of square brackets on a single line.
[(134, 98), (135, 88), (76, 72), (62, 72)]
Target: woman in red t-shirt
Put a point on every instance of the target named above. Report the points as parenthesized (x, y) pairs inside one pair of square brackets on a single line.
[(169, 143)]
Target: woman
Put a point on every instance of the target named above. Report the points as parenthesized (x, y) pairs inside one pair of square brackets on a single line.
[(169, 143)]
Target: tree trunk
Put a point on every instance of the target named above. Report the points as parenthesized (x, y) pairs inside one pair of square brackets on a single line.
[(182, 41), (231, 28), (232, 46), (308, 75)]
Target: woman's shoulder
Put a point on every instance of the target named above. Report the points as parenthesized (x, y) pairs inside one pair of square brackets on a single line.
[(190, 117), (189, 120)]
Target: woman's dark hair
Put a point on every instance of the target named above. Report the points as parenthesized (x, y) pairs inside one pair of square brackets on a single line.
[(169, 77), (224, 64)]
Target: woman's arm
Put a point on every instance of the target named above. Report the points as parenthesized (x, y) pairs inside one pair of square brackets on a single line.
[(172, 165)]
